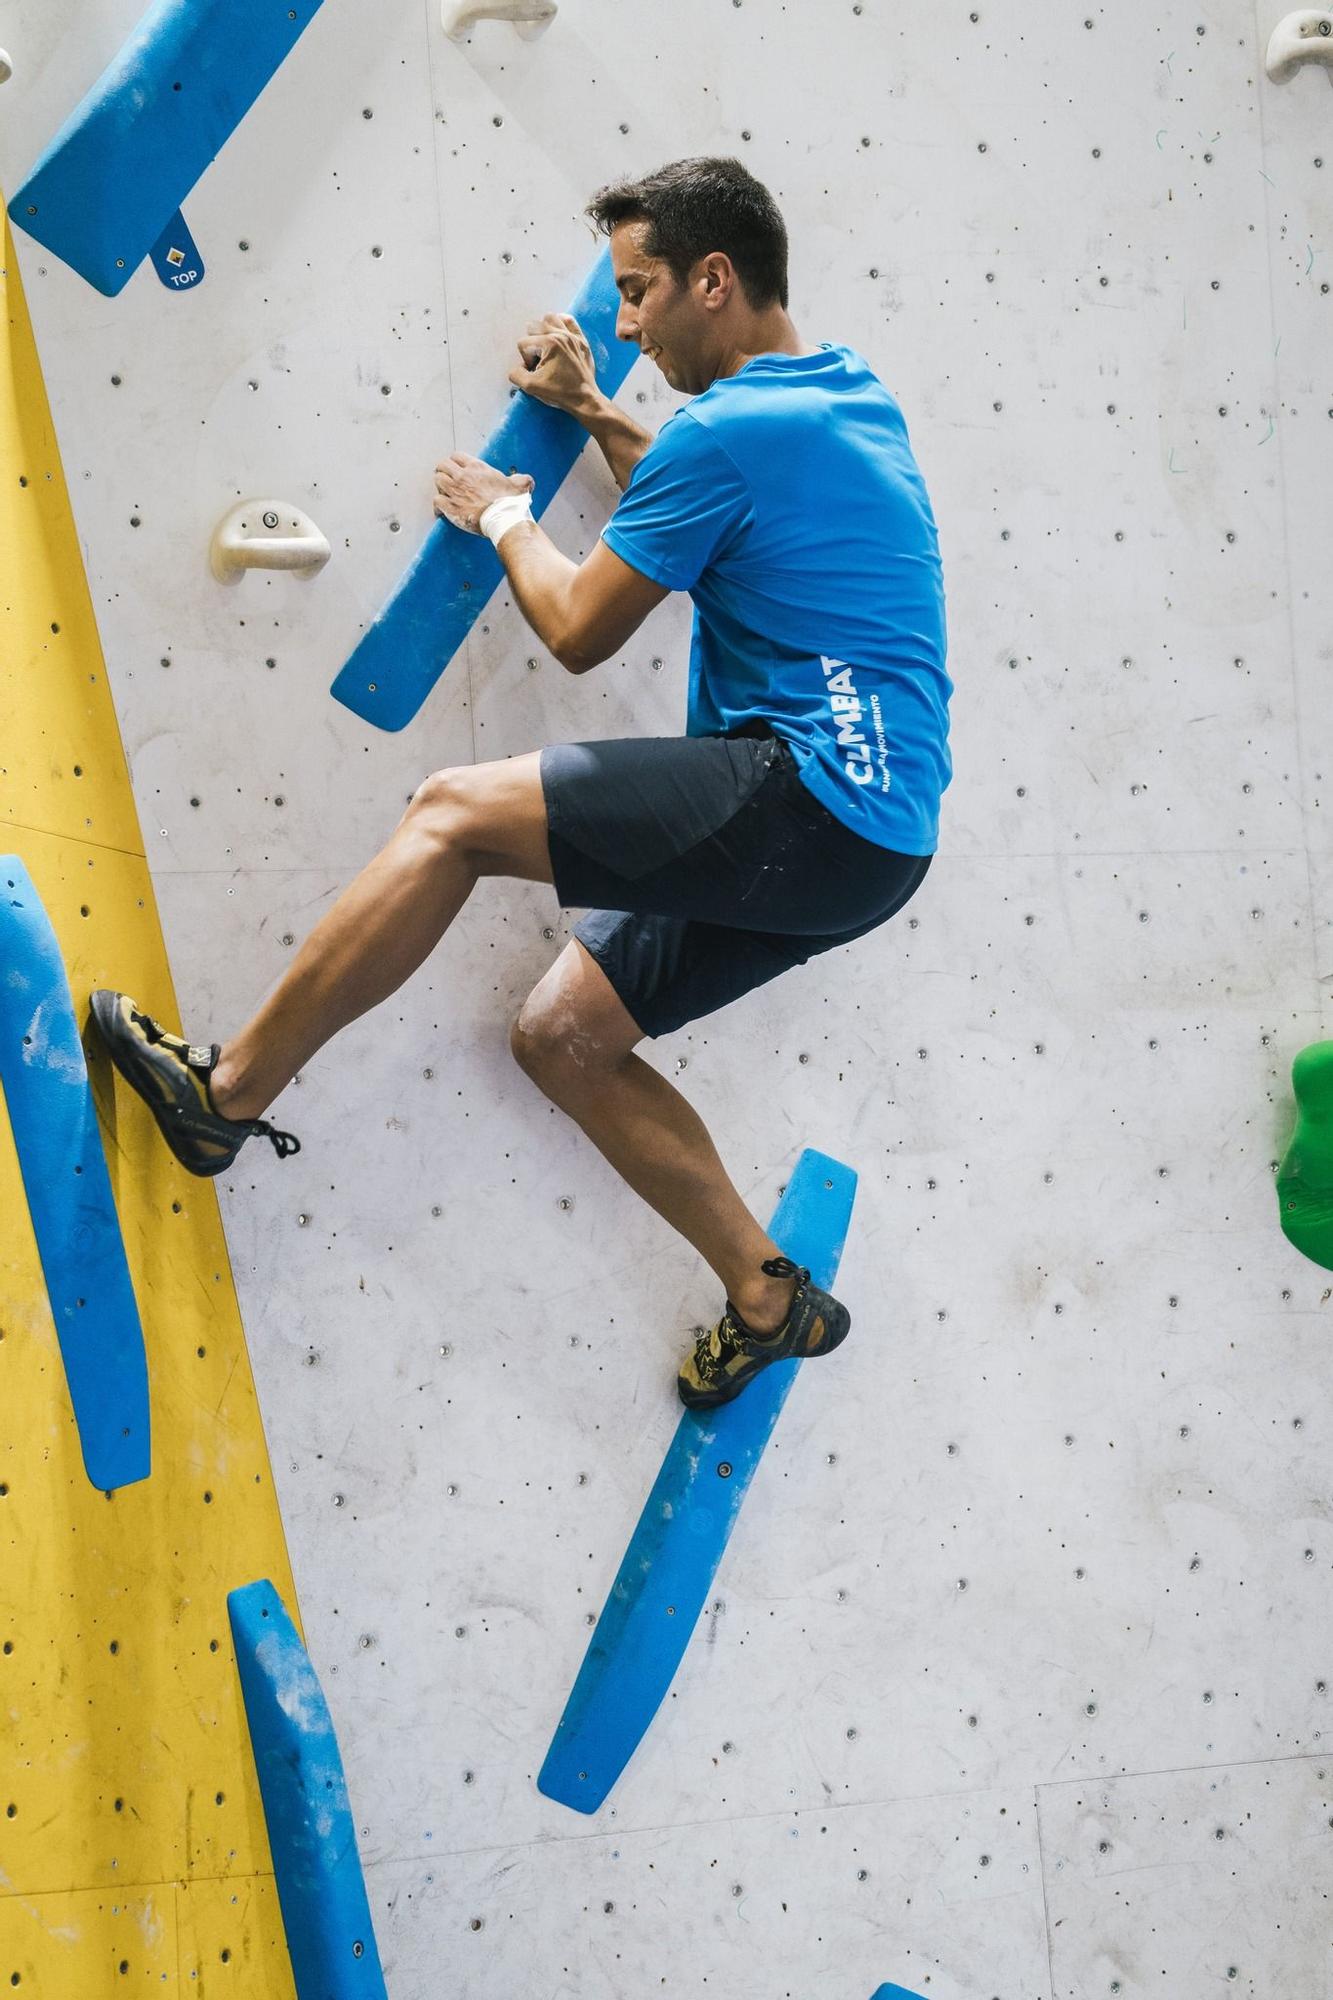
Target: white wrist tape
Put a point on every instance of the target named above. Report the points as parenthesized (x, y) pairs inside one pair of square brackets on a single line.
[(504, 514)]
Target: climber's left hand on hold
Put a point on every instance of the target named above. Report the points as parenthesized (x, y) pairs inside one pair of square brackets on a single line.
[(465, 488)]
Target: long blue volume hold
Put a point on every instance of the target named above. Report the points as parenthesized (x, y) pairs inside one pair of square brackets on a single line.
[(123, 162), (645, 1626), (325, 1910), (402, 655), (64, 1173)]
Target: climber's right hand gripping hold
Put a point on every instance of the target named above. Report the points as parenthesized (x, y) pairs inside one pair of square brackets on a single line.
[(556, 365)]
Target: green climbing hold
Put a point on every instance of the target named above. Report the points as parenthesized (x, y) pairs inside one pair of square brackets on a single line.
[(1305, 1178)]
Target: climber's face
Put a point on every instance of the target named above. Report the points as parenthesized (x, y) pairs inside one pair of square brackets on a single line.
[(673, 321)]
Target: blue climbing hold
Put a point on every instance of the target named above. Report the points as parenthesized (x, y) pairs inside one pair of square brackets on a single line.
[(64, 1173), (325, 1910), (402, 655), (115, 174), (668, 1570)]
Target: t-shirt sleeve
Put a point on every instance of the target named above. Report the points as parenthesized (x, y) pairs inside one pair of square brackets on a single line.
[(684, 503)]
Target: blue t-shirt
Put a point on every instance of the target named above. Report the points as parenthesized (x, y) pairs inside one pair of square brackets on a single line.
[(786, 500)]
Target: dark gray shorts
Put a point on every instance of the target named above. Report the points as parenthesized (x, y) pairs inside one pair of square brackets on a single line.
[(707, 868)]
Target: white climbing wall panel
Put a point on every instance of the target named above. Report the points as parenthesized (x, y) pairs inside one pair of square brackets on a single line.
[(1015, 1680)]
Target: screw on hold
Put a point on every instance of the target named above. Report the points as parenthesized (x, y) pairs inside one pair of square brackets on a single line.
[(724, 1469), (358, 1949), (270, 519)]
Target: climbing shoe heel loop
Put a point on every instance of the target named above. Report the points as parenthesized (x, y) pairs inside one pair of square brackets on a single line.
[(782, 1267)]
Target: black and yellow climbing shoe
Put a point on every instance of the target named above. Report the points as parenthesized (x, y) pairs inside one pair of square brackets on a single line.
[(172, 1076), (731, 1354)]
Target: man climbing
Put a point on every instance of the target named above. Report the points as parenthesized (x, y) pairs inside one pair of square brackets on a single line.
[(798, 812)]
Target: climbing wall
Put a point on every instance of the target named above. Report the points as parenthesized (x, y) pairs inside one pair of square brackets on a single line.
[(1014, 1680)]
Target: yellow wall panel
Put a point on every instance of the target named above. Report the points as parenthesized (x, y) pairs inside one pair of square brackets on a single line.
[(211, 1939), (81, 1944), (61, 766), (125, 1745), (231, 1941)]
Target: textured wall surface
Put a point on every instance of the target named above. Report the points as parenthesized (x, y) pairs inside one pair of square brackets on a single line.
[(1015, 1680)]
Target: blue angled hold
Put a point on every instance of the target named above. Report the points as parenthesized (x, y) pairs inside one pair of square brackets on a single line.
[(325, 1910), (893, 1993), (673, 1556), (402, 655), (118, 170), (64, 1173)]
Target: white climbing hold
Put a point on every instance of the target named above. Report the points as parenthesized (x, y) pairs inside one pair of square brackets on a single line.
[(530, 17), (1305, 37), (266, 534)]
